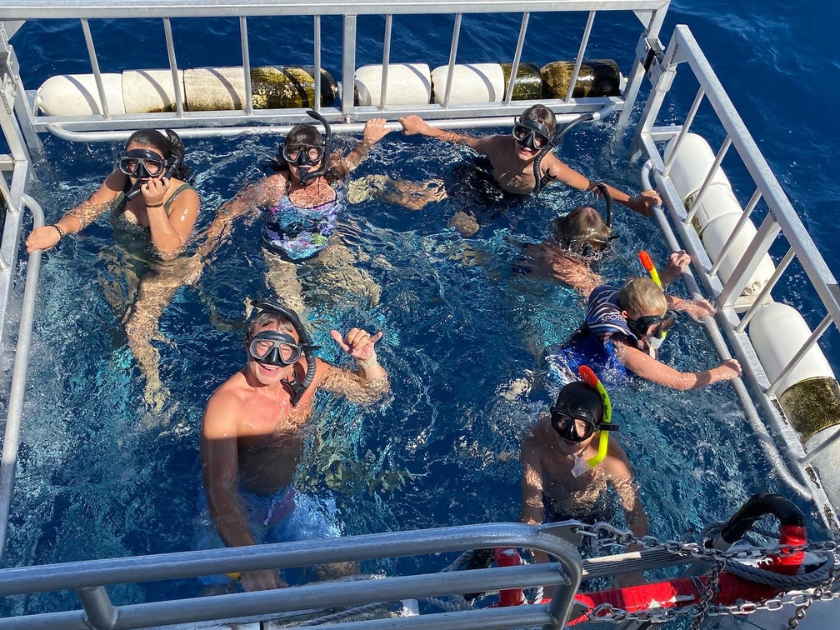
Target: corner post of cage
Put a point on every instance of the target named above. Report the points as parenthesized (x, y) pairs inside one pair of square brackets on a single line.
[(662, 76), (11, 440), (316, 60), (637, 73), (751, 259), (19, 137)]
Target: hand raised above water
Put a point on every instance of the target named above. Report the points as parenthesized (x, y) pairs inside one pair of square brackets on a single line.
[(358, 343)]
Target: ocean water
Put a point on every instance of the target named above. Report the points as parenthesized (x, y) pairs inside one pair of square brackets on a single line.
[(99, 477)]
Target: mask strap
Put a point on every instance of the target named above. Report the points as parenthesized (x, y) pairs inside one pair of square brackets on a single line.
[(590, 379)]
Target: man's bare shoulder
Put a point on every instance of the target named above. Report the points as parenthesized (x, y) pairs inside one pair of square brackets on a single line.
[(616, 462), (536, 436), (227, 401)]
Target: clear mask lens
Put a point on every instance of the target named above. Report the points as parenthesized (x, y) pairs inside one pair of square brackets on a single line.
[(571, 428), (141, 166), (274, 348), (303, 155)]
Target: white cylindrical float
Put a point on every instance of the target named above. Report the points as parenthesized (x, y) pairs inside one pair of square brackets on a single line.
[(471, 83), (810, 394), (408, 84), (148, 91), (77, 95), (718, 200), (714, 238), (692, 165)]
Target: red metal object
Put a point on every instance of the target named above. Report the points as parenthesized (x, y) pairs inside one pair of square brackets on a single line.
[(509, 557)]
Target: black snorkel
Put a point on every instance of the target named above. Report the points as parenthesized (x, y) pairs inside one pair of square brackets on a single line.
[(298, 389), (553, 142), (608, 201), (307, 175)]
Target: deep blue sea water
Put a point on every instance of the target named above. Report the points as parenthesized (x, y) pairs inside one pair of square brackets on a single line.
[(98, 478)]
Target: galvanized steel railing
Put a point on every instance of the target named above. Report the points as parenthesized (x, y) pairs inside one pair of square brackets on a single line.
[(89, 579), (106, 126), (684, 52)]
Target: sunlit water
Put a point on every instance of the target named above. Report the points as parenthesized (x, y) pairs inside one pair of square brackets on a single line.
[(100, 477)]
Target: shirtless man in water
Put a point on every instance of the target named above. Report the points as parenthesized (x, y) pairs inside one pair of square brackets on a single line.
[(512, 157), (558, 484), (251, 435)]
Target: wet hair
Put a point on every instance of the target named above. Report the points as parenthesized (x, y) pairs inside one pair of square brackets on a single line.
[(169, 145), (267, 318), (577, 396), (582, 231), (542, 115), (307, 136), (642, 294)]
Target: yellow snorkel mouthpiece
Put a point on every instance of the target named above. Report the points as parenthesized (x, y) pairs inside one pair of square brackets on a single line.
[(590, 379)]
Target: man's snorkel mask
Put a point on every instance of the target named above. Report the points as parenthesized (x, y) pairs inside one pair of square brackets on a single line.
[(144, 165), (273, 347), (568, 431), (305, 157)]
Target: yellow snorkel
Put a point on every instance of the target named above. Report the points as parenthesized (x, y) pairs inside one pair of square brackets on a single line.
[(590, 379), (647, 263)]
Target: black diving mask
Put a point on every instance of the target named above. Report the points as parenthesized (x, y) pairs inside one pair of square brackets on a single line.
[(577, 426), (531, 135), (273, 347), (303, 155), (652, 326), (142, 164)]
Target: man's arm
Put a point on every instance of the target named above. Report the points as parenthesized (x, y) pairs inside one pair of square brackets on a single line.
[(219, 467), (554, 169), (621, 476), (532, 482), (415, 125), (646, 367), (697, 309), (366, 385)]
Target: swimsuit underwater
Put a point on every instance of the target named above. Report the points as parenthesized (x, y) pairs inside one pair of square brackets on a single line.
[(295, 233), (592, 344), (121, 202)]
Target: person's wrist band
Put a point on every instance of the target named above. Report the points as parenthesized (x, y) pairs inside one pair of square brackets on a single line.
[(61, 233), (369, 363), (154, 205)]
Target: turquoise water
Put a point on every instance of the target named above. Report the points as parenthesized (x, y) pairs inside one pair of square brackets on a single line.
[(99, 477)]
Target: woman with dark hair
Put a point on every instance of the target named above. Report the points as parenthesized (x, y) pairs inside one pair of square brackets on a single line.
[(301, 202), (148, 192)]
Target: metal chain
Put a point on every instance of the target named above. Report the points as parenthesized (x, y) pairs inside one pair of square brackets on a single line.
[(707, 596), (605, 535), (802, 610)]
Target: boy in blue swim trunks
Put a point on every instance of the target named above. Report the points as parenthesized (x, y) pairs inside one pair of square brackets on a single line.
[(252, 434)]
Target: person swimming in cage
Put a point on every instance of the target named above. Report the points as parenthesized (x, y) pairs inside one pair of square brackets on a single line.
[(154, 204)]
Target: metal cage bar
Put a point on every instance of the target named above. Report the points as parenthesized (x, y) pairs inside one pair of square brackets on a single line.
[(742, 221), (316, 60), (453, 53), (173, 67), (584, 42), (386, 61), (517, 57), (750, 260), (246, 65), (689, 119), (348, 67), (695, 205), (765, 291), (797, 358), (97, 75)]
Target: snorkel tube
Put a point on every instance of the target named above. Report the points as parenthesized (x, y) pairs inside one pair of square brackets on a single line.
[(298, 389), (590, 379), (608, 201), (553, 142), (308, 175), (647, 263)]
